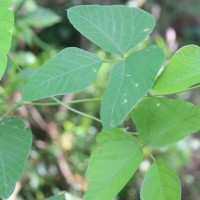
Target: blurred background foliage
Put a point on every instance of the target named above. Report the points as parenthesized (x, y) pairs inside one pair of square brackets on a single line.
[(63, 140)]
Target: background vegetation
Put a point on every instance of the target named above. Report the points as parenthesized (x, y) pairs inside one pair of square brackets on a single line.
[(63, 140)]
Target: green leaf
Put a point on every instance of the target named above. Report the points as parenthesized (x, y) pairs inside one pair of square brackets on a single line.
[(6, 28), (112, 164), (182, 71), (15, 144), (69, 71), (162, 121), (129, 82), (116, 29), (160, 183), (41, 18)]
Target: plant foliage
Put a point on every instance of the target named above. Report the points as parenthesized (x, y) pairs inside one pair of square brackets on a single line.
[(114, 32), (162, 121), (63, 74), (181, 72), (130, 80), (15, 144), (161, 182), (159, 121), (110, 163), (6, 29)]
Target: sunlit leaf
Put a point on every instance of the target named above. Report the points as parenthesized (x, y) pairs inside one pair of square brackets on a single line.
[(69, 71), (116, 29), (129, 82), (182, 71), (15, 144), (162, 121), (112, 164), (6, 29), (160, 183)]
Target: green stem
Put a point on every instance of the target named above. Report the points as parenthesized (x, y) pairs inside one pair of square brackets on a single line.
[(56, 103), (40, 43), (53, 103), (10, 110), (152, 157), (25, 75), (76, 111), (139, 139), (134, 134)]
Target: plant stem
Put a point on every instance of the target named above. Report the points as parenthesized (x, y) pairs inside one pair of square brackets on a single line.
[(134, 134), (43, 45), (56, 103), (76, 111), (52, 103), (24, 74), (152, 157), (18, 104), (10, 110)]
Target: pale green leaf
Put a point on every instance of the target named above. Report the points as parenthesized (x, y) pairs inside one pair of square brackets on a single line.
[(129, 82), (69, 71), (112, 164), (160, 183), (6, 29), (162, 121), (15, 144), (116, 29), (41, 18), (182, 71)]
